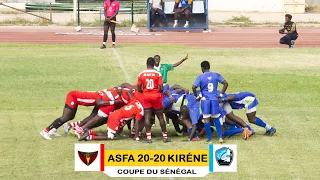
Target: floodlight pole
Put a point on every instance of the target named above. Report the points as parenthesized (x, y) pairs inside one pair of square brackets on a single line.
[(132, 13), (75, 10), (78, 12)]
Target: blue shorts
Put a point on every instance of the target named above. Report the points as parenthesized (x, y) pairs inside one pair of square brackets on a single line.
[(210, 107)]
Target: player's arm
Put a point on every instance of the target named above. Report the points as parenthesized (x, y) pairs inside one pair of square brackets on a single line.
[(115, 14), (140, 88), (129, 93), (139, 84), (180, 62), (160, 82), (230, 98), (293, 29), (168, 93), (195, 85), (225, 86), (105, 10), (282, 30), (100, 102)]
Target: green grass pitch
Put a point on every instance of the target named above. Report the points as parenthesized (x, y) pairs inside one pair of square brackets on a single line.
[(34, 80)]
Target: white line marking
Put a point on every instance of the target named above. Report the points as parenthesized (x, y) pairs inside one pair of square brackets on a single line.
[(127, 76)]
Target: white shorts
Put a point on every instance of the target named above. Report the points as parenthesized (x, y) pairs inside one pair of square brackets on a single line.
[(211, 115), (254, 109), (227, 107), (248, 102), (222, 120)]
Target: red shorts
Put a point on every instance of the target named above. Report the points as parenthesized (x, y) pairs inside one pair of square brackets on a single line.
[(83, 98), (115, 122), (153, 100), (104, 111), (139, 96)]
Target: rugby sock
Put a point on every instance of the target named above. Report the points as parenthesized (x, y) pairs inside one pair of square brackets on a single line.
[(237, 125), (133, 132), (91, 137), (249, 128), (261, 123), (164, 135), (78, 129), (91, 132), (46, 130), (148, 133), (195, 134), (199, 128), (175, 21), (56, 124), (113, 42), (187, 22), (74, 124), (104, 43), (218, 127), (232, 131), (207, 128)]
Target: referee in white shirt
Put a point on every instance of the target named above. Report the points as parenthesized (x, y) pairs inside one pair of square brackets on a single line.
[(156, 7)]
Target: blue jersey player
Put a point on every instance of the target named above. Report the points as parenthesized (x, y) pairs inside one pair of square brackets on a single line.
[(208, 83), (248, 100), (179, 97)]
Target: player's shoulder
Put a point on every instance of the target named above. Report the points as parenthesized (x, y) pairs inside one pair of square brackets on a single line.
[(150, 72)]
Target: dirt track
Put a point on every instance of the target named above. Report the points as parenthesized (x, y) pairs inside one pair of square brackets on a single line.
[(219, 37)]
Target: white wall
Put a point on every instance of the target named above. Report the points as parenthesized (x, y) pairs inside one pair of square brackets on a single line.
[(247, 5)]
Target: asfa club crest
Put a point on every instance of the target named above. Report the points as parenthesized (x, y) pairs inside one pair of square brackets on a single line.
[(88, 157), (224, 156)]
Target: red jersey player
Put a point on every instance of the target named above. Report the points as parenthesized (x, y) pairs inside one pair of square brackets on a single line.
[(84, 98), (122, 94), (150, 85), (117, 120)]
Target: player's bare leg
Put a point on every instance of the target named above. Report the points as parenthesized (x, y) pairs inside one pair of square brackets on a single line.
[(68, 126), (159, 114), (91, 135), (67, 115), (247, 129), (252, 118), (93, 114), (147, 117)]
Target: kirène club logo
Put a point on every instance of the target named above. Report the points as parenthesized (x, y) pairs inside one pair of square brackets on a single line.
[(225, 158), (88, 157)]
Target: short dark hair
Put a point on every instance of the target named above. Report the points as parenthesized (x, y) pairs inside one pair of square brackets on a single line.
[(150, 61), (205, 65), (288, 16), (157, 56)]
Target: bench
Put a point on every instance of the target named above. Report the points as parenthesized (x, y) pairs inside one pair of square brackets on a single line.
[(198, 19)]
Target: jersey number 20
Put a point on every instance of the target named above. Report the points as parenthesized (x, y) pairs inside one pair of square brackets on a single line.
[(150, 84), (210, 87)]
